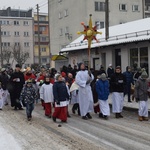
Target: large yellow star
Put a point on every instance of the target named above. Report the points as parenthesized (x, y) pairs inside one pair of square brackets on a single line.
[(90, 32)]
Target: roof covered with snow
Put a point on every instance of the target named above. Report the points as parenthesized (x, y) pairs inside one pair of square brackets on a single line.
[(123, 33)]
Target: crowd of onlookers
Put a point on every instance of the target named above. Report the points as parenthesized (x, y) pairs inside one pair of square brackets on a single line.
[(88, 90)]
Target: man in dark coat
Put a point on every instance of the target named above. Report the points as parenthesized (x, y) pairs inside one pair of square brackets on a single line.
[(17, 80), (4, 79)]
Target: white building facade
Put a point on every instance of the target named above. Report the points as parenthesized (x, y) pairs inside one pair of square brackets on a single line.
[(66, 16)]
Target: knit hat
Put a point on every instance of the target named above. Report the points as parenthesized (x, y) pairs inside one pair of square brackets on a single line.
[(3, 69), (103, 76), (18, 66), (63, 74), (57, 76), (144, 75), (110, 65), (29, 81)]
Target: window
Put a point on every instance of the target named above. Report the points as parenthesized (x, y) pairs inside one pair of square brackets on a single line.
[(60, 15), (139, 57), (43, 39), (67, 30), (26, 23), (42, 28), (5, 33), (135, 8), (16, 33), (17, 43), (26, 33), (66, 13), (5, 44), (44, 60), (43, 49), (16, 22), (123, 7), (4, 22), (26, 44), (42, 18), (99, 6), (99, 24), (61, 32)]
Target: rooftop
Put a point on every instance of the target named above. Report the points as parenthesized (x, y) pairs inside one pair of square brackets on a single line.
[(123, 33)]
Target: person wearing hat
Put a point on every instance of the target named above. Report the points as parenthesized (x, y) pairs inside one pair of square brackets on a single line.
[(4, 79), (102, 89), (29, 74), (110, 71), (141, 95), (46, 95), (129, 80), (17, 81), (61, 95), (117, 82), (83, 80), (27, 97)]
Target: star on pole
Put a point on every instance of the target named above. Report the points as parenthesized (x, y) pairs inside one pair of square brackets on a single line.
[(89, 33)]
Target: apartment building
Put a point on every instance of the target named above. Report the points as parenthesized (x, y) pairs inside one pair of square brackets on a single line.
[(17, 31), (66, 16), (42, 41)]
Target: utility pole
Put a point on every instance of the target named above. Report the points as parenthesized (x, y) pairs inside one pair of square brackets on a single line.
[(39, 50), (49, 31), (1, 46), (106, 19)]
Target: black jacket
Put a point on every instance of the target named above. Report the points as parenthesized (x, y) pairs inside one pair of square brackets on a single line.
[(118, 82), (60, 91), (4, 79)]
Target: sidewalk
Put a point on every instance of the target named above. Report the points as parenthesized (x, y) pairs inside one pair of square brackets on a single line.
[(130, 106)]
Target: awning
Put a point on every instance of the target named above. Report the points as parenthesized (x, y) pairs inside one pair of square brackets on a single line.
[(59, 57)]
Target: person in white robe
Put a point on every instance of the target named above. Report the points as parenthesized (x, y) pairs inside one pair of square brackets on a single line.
[(74, 90), (46, 94), (83, 80), (102, 89), (117, 82), (141, 95)]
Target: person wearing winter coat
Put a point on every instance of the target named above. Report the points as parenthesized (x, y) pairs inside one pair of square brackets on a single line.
[(46, 95), (27, 98), (141, 95), (117, 82), (17, 81), (129, 80), (61, 97), (4, 79), (102, 89)]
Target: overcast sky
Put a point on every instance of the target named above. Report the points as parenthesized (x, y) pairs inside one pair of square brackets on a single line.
[(24, 4)]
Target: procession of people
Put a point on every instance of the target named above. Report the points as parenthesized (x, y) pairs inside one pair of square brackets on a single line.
[(79, 86)]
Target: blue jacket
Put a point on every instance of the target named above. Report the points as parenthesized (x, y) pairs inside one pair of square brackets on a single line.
[(60, 91), (102, 89), (129, 77)]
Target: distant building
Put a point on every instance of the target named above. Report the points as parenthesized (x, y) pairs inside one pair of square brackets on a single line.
[(44, 39), (17, 32)]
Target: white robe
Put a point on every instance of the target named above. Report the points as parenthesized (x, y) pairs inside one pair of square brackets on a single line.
[(104, 107), (117, 102), (1, 98), (46, 93), (143, 108), (85, 92)]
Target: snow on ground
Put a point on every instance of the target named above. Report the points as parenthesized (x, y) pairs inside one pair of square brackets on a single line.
[(7, 141)]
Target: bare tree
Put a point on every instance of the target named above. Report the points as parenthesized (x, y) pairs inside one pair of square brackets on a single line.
[(7, 54), (19, 55)]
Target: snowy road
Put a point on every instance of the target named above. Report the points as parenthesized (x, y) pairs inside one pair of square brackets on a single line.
[(16, 133)]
